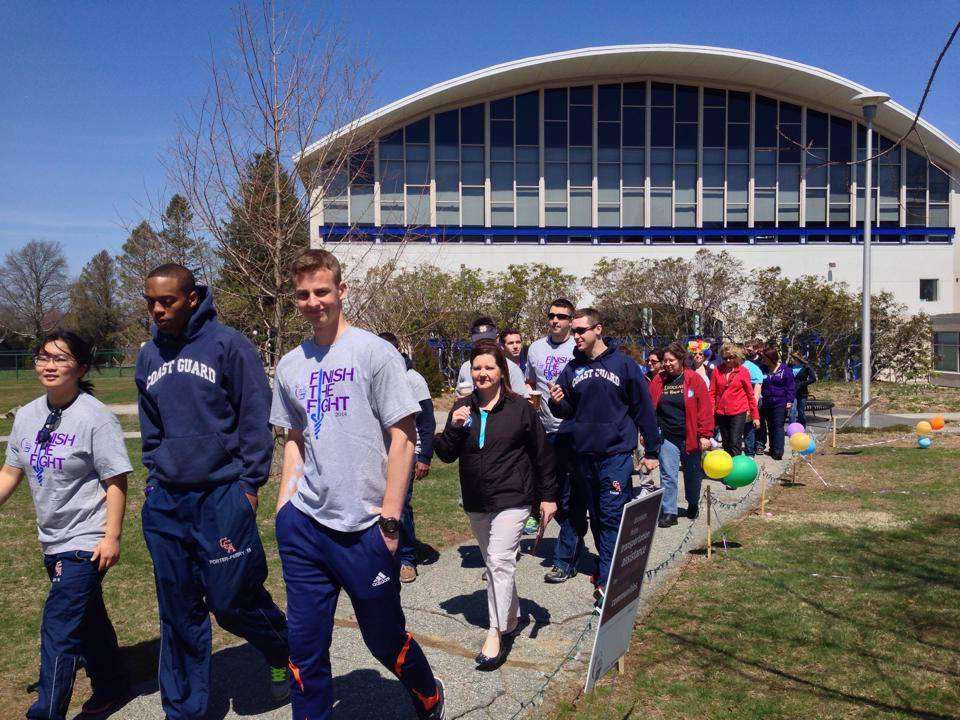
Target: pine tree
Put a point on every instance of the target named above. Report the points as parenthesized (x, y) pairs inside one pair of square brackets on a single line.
[(95, 309), (426, 363), (267, 229)]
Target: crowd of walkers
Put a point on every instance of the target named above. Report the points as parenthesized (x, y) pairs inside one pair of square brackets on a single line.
[(548, 432)]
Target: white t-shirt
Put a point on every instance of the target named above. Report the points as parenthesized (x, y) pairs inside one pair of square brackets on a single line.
[(421, 393), (343, 397), (545, 361)]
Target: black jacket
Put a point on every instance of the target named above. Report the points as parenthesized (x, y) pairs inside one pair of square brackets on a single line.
[(515, 466), (804, 379)]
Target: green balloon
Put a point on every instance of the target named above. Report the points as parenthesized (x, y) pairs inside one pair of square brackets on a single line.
[(743, 473)]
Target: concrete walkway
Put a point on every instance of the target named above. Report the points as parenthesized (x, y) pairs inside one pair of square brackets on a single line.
[(446, 610)]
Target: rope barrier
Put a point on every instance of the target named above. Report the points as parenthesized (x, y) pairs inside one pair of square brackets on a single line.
[(572, 654)]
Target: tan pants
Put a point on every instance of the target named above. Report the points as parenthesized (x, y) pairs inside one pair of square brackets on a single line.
[(498, 535)]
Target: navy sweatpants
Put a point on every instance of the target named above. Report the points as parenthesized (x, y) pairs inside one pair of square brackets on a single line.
[(207, 557), (75, 633), (572, 506), (317, 563), (609, 484)]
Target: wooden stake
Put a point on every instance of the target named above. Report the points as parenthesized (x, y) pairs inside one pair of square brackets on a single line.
[(763, 496), (709, 529), (621, 666), (834, 441), (794, 467)]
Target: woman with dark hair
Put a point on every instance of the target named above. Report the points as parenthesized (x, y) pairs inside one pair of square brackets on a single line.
[(654, 363), (733, 398), (505, 470), (71, 450), (685, 416), (776, 399)]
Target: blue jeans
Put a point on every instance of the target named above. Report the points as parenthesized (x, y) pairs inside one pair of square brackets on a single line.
[(572, 504), (772, 421), (609, 484), (798, 411), (407, 549), (673, 455), (75, 633)]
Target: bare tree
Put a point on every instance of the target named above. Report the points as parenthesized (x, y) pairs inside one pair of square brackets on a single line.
[(34, 288), (288, 82)]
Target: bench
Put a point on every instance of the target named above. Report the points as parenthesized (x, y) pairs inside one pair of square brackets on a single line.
[(815, 406)]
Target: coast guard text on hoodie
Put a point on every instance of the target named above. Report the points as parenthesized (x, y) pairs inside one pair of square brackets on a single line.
[(204, 405)]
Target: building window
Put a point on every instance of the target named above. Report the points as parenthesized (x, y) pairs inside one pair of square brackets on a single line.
[(946, 354), (929, 290)]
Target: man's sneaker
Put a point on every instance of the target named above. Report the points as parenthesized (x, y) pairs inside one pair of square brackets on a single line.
[(101, 704), (598, 594), (279, 684), (438, 711), (558, 575), (408, 573), (532, 525)]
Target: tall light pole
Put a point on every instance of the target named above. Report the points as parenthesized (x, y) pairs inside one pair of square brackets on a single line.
[(868, 102)]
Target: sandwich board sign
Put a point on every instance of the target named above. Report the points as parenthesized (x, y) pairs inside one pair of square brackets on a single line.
[(634, 540)]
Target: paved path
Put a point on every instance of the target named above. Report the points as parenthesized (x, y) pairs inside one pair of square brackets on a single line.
[(446, 610)]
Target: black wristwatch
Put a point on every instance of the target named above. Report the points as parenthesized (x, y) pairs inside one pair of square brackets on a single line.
[(389, 525)]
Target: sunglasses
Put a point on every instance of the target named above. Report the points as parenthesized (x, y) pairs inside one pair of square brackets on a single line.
[(558, 316), (46, 432), (582, 330)]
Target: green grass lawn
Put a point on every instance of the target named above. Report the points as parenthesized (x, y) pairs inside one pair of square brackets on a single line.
[(110, 388), (843, 604), (129, 589), (891, 397)]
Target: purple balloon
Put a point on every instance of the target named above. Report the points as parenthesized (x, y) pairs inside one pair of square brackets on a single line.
[(794, 428)]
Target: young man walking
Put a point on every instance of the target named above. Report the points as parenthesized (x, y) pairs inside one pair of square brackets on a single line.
[(426, 427), (343, 397), (207, 447), (546, 359), (604, 394)]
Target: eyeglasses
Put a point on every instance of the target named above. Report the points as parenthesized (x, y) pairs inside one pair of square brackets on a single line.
[(558, 316), (729, 357), (697, 354), (57, 360), (46, 432), (582, 330)]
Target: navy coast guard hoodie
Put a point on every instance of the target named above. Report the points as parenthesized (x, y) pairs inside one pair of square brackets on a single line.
[(607, 401), (204, 405)]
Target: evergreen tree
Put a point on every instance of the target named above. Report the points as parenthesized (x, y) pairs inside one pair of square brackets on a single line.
[(426, 363), (267, 228), (141, 253), (178, 242), (95, 309)]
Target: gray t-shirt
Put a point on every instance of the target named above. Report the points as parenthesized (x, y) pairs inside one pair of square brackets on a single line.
[(545, 361), (421, 393), (517, 383), (66, 474), (343, 397)]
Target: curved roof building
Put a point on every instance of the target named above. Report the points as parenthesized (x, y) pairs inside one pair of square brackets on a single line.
[(640, 150)]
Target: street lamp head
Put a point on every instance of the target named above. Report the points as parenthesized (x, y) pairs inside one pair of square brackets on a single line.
[(870, 98), (869, 102)]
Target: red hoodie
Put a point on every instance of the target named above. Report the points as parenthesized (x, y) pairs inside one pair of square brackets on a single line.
[(697, 406), (732, 392)]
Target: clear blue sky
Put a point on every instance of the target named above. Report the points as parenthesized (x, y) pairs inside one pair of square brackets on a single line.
[(92, 90)]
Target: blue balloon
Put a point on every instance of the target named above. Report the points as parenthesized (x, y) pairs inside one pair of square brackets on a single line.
[(923, 442), (812, 448)]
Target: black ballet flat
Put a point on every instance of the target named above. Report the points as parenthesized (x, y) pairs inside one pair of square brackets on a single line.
[(485, 663)]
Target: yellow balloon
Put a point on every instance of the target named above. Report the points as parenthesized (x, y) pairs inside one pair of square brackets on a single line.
[(717, 464), (924, 428), (799, 441)]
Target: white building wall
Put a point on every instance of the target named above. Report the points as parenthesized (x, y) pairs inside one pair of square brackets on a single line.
[(897, 268)]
